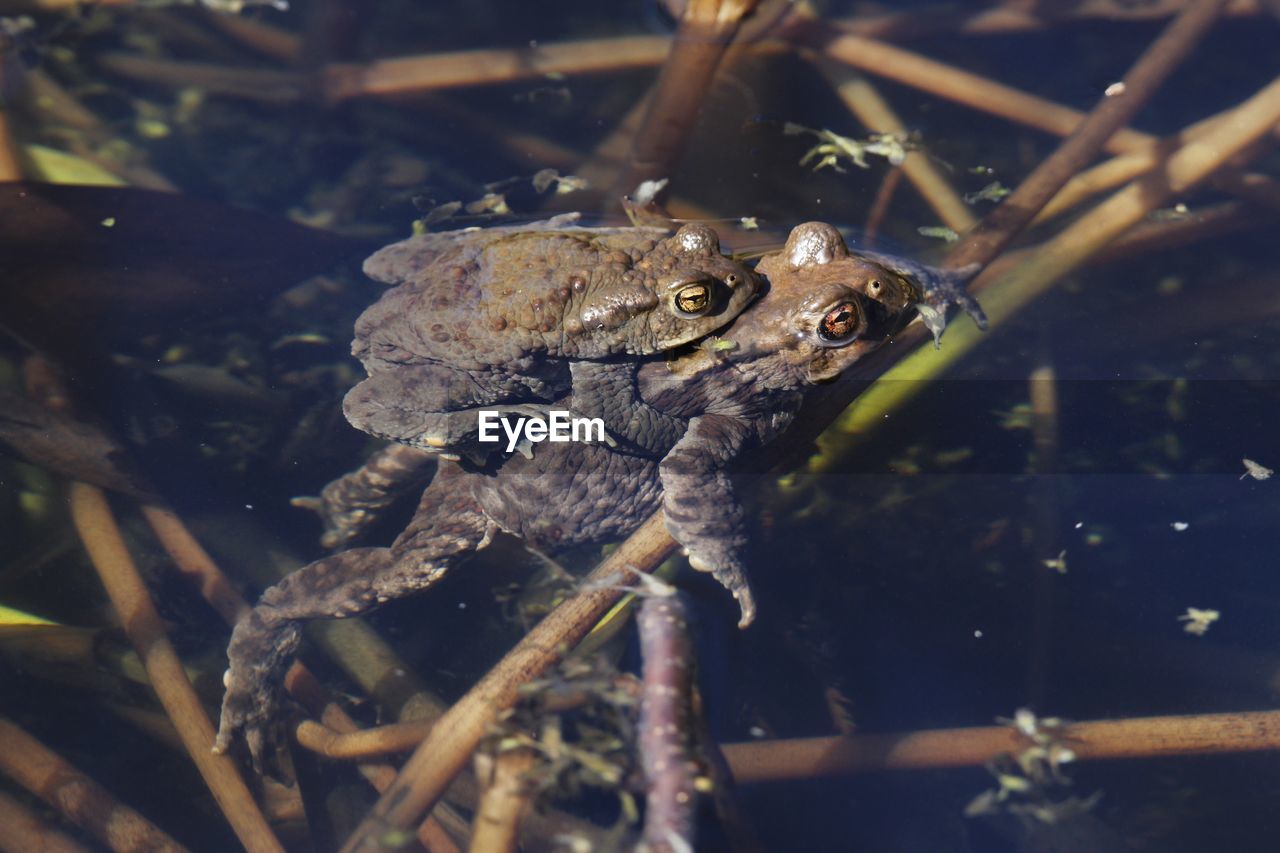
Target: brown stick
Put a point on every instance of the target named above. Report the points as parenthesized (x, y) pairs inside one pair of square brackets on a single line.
[(10, 170), (703, 35), (258, 36), (1111, 114), (870, 108), (447, 748), (361, 743), (1143, 737), (1016, 17), (194, 563), (505, 800), (75, 796), (956, 84), (670, 774), (24, 831), (97, 528), (269, 86), (479, 67), (880, 206)]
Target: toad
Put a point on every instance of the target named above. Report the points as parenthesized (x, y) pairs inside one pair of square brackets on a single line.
[(824, 310), (487, 317)]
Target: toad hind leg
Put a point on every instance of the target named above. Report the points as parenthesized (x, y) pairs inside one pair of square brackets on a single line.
[(701, 511), (448, 525)]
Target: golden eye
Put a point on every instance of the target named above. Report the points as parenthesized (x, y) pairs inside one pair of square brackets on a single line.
[(840, 324), (873, 287), (693, 300)]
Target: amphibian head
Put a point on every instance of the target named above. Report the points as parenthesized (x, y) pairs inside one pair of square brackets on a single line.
[(825, 308), (681, 290)]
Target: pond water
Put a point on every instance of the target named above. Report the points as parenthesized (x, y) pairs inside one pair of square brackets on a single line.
[(1072, 517)]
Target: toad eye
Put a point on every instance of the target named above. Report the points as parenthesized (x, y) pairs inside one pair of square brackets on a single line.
[(841, 324), (693, 300), (874, 287)]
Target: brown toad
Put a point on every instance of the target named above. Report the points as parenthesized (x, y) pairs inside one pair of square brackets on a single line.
[(486, 317), (816, 319)]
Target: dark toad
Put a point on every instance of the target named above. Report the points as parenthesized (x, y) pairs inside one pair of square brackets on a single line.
[(486, 317), (816, 319)]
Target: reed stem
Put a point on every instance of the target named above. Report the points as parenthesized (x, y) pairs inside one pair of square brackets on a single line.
[(74, 795), (97, 528), (1143, 737)]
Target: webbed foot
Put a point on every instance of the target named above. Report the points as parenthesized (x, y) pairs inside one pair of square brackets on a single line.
[(944, 288), (732, 577), (261, 648)]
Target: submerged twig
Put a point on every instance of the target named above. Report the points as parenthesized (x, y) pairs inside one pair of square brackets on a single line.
[(477, 67), (1111, 114), (96, 525), (702, 36), (9, 168), (1143, 737), (1015, 17), (25, 831), (505, 800), (671, 787), (76, 796)]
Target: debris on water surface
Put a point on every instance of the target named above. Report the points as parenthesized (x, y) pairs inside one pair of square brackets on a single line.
[(993, 191), (940, 232), (1030, 784), (648, 190), (1178, 213), (235, 7), (1256, 471), (439, 213), (564, 184), (1198, 621), (749, 223), (1058, 563), (495, 203), (1179, 526), (834, 148)]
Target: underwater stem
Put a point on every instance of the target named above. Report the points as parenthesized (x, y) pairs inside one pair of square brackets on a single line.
[(703, 35), (875, 114), (24, 831), (74, 795), (505, 801), (1143, 737), (101, 536), (1112, 113)]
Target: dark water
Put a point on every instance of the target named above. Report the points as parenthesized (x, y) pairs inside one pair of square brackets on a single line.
[(906, 585)]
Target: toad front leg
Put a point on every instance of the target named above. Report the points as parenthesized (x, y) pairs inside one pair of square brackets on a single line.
[(608, 390), (448, 525), (701, 510)]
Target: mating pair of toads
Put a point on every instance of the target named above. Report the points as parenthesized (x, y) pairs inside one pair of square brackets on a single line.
[(595, 321)]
